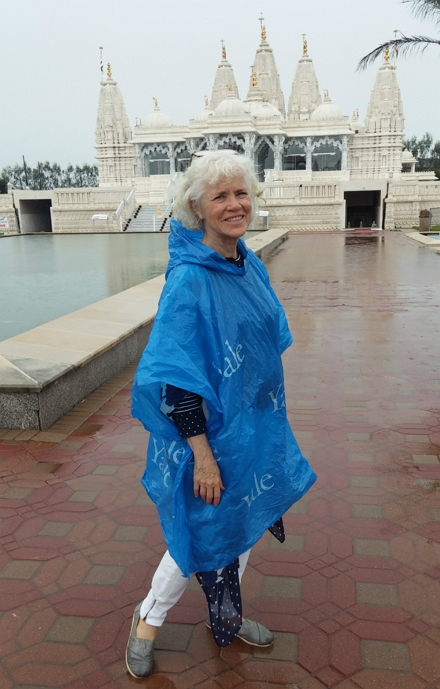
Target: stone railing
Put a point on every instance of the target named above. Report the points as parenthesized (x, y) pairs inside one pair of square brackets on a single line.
[(304, 193), (151, 190), (90, 197), (79, 210)]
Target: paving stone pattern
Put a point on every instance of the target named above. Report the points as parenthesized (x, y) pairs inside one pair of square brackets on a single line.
[(353, 596)]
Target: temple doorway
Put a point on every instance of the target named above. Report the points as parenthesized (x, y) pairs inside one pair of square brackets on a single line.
[(362, 209), (35, 215)]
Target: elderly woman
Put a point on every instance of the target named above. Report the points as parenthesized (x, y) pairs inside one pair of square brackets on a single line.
[(222, 463)]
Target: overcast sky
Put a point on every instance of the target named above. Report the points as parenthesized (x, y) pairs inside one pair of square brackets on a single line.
[(49, 61)]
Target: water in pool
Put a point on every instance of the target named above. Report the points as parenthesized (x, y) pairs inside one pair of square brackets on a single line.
[(43, 277)]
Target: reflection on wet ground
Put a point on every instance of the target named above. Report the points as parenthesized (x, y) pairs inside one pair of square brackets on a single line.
[(353, 595)]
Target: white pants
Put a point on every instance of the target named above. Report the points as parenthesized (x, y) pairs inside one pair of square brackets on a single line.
[(167, 587)]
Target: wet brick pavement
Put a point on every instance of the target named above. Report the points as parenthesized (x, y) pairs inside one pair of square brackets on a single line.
[(353, 596)]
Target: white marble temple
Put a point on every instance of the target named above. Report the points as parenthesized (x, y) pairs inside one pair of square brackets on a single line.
[(319, 169)]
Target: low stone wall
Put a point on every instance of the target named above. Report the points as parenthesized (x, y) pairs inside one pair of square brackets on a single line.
[(423, 239), (306, 207), (8, 219), (46, 371), (301, 218), (435, 216)]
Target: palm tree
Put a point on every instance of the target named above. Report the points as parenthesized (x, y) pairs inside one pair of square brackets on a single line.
[(425, 9)]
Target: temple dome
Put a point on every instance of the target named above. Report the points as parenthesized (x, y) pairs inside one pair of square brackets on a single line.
[(407, 157), (267, 111), (327, 111), (231, 107), (157, 119), (205, 114), (252, 107)]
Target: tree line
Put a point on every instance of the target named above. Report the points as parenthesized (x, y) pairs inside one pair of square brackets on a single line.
[(48, 176), (426, 150)]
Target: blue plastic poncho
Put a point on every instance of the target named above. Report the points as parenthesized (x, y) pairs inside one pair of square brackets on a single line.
[(219, 332)]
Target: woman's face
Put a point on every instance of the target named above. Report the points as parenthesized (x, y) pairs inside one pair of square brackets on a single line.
[(226, 209)]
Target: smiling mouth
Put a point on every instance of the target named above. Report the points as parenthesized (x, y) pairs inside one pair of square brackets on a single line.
[(236, 219)]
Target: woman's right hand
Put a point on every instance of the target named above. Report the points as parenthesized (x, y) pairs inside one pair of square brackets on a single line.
[(207, 480)]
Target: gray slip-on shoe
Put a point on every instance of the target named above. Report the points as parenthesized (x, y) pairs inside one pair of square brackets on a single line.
[(252, 633), (139, 655)]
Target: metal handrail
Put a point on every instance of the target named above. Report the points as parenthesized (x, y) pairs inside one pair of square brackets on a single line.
[(118, 212)]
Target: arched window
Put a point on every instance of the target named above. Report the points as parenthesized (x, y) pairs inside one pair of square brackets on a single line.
[(264, 159), (157, 163), (183, 159), (231, 142), (294, 157), (326, 156)]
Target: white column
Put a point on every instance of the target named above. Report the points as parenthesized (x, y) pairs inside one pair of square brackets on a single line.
[(278, 151), (344, 153), (309, 149), (249, 145), (139, 162), (172, 159), (212, 142)]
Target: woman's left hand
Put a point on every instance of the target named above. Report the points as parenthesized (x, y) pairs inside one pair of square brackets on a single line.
[(207, 480)]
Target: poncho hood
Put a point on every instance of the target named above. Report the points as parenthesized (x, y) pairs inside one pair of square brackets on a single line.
[(185, 246)]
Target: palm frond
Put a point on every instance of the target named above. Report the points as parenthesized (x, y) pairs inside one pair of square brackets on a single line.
[(425, 9), (403, 46)]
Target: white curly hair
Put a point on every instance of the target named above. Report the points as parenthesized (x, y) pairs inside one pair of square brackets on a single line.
[(206, 169)]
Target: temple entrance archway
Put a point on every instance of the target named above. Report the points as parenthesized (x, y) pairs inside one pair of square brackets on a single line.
[(363, 209), (35, 215)]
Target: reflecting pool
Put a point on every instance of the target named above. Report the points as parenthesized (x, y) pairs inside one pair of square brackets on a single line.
[(46, 276)]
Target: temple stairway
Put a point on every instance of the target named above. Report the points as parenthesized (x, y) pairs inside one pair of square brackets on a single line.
[(142, 219)]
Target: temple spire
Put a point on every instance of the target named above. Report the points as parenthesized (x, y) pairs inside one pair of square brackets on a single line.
[(385, 109), (223, 77), (305, 96), (265, 73), (114, 152), (255, 97)]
